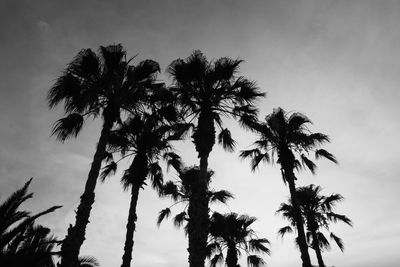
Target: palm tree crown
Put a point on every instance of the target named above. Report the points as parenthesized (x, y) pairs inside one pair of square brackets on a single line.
[(208, 90), (103, 83), (233, 232), (22, 242), (287, 137), (318, 213)]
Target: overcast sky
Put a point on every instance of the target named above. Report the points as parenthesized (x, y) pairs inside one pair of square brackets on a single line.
[(338, 62)]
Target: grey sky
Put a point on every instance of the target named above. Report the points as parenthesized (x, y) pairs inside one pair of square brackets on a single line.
[(335, 61)]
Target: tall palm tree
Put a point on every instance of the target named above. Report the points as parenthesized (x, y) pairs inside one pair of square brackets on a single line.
[(317, 211), (92, 85), (288, 137), (23, 243), (147, 138), (233, 232), (206, 91)]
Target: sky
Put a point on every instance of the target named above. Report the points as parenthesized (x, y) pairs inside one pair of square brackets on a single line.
[(335, 61)]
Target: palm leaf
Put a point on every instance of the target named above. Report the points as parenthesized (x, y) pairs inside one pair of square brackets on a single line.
[(339, 217), (170, 189), (220, 196), (323, 242), (67, 127), (88, 261), (255, 261), (338, 241), (225, 139), (258, 245), (310, 165), (108, 170), (323, 153), (164, 214), (285, 230), (179, 219)]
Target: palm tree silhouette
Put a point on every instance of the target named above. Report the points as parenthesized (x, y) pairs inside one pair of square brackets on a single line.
[(147, 138), (22, 242), (317, 211), (92, 85), (289, 138), (185, 191), (233, 232), (205, 91)]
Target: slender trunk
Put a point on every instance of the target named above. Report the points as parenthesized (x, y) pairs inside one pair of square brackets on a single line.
[(76, 234), (198, 221), (231, 256), (204, 139), (130, 227), (305, 257), (317, 249)]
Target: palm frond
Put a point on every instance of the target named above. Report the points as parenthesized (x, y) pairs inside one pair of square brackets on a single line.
[(179, 219), (164, 214), (339, 217), (144, 70), (156, 177), (323, 153), (108, 170), (296, 120), (173, 160), (220, 196), (255, 261), (258, 245), (68, 126), (307, 162), (285, 230), (225, 139), (170, 189), (88, 261), (338, 241), (323, 242)]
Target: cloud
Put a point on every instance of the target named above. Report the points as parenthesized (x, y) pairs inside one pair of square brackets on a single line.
[(43, 26)]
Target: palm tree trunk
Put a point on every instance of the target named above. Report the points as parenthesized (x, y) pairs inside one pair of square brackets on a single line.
[(198, 220), (130, 227), (231, 256), (305, 257), (76, 234), (204, 139), (317, 249)]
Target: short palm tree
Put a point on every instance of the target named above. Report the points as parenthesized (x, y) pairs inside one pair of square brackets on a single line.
[(233, 232), (288, 137), (92, 85), (147, 138), (317, 211), (205, 91), (22, 243), (185, 191)]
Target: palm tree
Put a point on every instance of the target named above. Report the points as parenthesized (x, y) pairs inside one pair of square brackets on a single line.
[(185, 191), (317, 212), (233, 233), (206, 91), (288, 137), (92, 85), (23, 243), (147, 138)]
